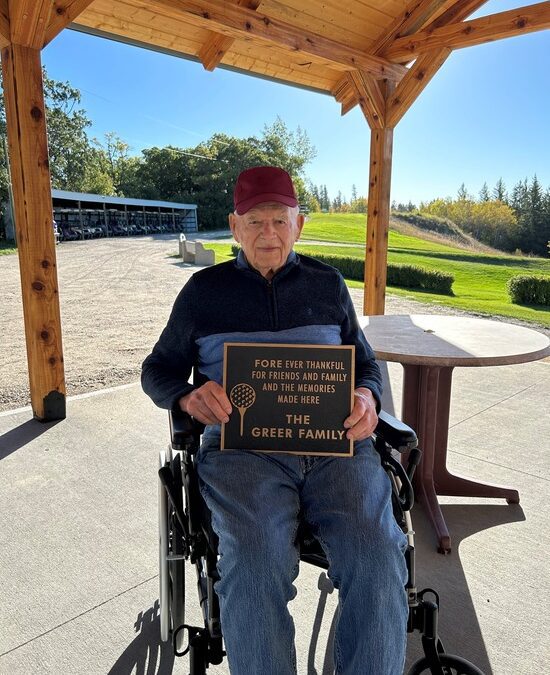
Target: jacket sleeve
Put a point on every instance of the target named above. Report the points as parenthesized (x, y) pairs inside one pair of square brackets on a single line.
[(367, 372), (166, 371)]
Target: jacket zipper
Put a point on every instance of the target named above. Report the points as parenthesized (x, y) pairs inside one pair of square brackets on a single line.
[(272, 307)]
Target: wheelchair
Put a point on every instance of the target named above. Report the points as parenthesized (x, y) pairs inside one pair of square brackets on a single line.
[(185, 534)]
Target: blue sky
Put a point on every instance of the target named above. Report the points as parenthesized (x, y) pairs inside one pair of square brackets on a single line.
[(485, 115)]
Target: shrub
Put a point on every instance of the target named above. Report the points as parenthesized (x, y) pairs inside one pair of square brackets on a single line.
[(406, 276), (528, 289), (412, 276)]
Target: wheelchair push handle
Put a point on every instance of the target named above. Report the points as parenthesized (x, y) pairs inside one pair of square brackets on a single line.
[(185, 432), (395, 433)]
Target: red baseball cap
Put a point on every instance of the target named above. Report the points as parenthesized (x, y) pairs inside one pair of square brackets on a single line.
[(263, 184)]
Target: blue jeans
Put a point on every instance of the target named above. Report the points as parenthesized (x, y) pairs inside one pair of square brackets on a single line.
[(255, 500)]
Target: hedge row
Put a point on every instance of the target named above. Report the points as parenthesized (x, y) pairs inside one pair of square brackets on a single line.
[(406, 276), (525, 289)]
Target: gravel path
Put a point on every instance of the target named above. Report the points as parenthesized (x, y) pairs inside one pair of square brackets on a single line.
[(116, 296)]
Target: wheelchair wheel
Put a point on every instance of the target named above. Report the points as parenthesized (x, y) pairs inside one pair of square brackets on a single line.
[(176, 568), (450, 665)]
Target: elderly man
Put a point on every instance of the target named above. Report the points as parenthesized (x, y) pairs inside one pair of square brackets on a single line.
[(271, 294)]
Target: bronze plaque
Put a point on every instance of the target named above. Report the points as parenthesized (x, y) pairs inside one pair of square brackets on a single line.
[(288, 398)]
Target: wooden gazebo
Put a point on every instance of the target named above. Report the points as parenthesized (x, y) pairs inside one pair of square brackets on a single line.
[(359, 51)]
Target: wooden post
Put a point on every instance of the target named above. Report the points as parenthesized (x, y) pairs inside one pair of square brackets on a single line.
[(28, 151), (378, 220)]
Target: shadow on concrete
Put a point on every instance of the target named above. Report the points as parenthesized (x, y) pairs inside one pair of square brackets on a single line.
[(325, 586), (146, 654), (459, 627), (25, 433)]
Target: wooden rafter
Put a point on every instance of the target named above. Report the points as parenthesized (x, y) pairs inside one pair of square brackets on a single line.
[(474, 32), (345, 93), (371, 98), (408, 90), (216, 45), (412, 19), (28, 21), (243, 23), (64, 13), (457, 12)]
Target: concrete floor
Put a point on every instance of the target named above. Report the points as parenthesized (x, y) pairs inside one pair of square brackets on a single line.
[(78, 536)]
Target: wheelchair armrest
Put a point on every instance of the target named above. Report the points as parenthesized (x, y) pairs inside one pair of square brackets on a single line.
[(395, 433), (185, 431)]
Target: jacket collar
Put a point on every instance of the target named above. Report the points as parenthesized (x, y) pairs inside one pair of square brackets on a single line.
[(242, 263)]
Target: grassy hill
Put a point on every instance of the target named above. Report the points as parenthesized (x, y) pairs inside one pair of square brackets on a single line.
[(480, 276)]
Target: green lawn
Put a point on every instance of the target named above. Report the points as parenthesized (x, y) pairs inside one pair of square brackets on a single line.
[(7, 248), (480, 278)]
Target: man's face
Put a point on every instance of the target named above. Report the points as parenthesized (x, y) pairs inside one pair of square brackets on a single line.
[(267, 234)]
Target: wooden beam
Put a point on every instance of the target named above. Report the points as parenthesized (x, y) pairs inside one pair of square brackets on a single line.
[(410, 21), (370, 99), (4, 24), (28, 152), (474, 32), (378, 221), (457, 12), (348, 105), (28, 22), (214, 49), (216, 45), (64, 13), (243, 23), (410, 87)]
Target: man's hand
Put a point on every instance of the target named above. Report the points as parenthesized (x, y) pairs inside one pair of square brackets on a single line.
[(208, 404), (363, 419)]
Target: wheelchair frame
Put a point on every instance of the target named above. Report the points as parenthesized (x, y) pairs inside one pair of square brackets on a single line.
[(185, 534)]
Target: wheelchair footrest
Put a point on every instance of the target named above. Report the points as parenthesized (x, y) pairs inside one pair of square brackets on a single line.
[(203, 648)]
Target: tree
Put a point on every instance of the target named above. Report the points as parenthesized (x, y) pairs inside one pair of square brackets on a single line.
[(492, 222), (96, 178), (534, 226), (68, 145), (325, 201), (359, 205), (484, 193), (463, 194), (353, 193), (74, 164), (291, 150), (499, 192), (206, 174), (117, 164)]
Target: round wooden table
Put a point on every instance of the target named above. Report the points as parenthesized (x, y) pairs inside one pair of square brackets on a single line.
[(429, 347)]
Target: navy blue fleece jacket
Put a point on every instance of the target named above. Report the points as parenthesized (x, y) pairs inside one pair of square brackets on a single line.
[(306, 302)]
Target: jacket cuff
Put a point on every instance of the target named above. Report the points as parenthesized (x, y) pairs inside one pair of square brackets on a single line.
[(175, 401)]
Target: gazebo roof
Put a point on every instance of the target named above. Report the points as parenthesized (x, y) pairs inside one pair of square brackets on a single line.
[(329, 46)]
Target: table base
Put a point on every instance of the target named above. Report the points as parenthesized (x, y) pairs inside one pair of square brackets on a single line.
[(426, 404)]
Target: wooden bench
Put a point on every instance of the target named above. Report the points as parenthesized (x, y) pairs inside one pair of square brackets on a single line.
[(194, 252)]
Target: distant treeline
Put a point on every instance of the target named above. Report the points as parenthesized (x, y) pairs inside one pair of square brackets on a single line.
[(205, 174), (519, 220)]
